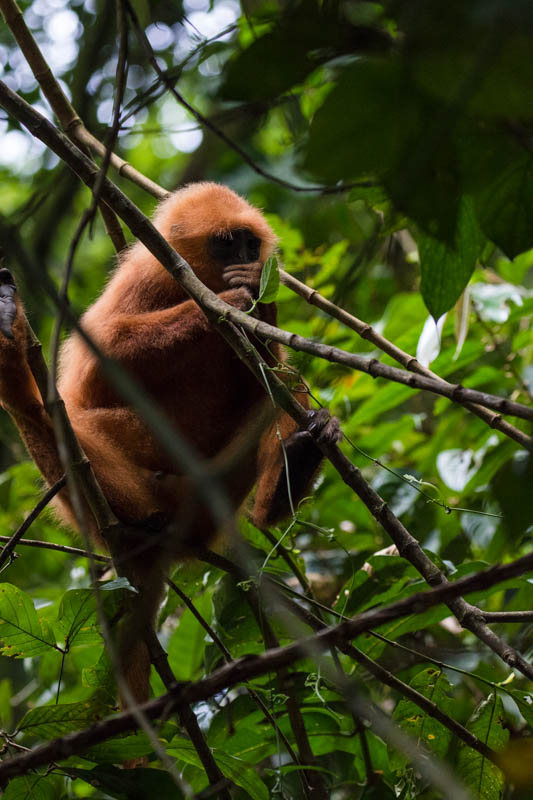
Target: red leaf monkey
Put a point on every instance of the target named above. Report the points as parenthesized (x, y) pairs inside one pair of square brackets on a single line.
[(144, 320)]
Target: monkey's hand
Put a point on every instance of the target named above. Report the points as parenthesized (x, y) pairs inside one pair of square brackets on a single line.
[(303, 457), (247, 275), (8, 307), (326, 428)]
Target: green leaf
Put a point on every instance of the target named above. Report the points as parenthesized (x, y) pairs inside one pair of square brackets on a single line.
[(239, 771), (374, 121), (446, 268), (505, 208), (500, 87), (365, 123), (50, 721), (524, 701), (511, 485), (269, 285), (22, 633), (498, 173), (100, 676), (31, 787), (119, 749), (77, 617), (287, 65), (128, 784), (187, 644), (478, 773), (433, 684), (306, 35)]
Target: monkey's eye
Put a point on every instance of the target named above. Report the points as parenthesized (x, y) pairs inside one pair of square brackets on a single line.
[(238, 246)]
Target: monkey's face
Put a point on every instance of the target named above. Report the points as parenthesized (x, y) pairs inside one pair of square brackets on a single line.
[(236, 254), (239, 246), (225, 259)]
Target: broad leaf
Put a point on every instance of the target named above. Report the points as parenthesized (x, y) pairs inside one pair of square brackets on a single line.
[(446, 267), (22, 633), (478, 773), (234, 768), (432, 734), (129, 784), (31, 787), (50, 721)]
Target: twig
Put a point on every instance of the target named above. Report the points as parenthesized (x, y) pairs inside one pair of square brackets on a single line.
[(229, 658), (67, 116), (408, 361), (216, 310), (14, 540), (62, 548), (249, 667), (113, 228), (507, 616), (210, 125), (186, 716)]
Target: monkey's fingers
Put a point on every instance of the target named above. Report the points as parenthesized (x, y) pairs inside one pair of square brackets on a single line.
[(327, 427), (8, 307), (251, 272), (239, 276)]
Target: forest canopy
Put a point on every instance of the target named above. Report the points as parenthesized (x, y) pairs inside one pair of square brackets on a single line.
[(389, 145)]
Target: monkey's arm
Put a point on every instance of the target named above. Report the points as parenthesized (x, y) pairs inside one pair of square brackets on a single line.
[(283, 446), (154, 335)]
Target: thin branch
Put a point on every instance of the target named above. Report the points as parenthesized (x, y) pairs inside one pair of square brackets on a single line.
[(113, 228), (14, 540), (252, 666), (67, 116), (218, 132), (186, 716), (408, 361), (507, 616), (229, 658), (217, 311), (61, 548)]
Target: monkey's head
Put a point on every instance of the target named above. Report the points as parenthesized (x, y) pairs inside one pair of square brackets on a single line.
[(213, 228)]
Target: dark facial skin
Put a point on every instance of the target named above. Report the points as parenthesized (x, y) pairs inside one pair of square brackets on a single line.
[(239, 246), (238, 253), (8, 308)]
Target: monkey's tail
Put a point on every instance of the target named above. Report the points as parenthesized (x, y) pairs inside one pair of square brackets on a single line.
[(19, 394), (134, 655)]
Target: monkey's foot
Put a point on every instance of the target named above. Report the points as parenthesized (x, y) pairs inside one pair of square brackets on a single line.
[(8, 308)]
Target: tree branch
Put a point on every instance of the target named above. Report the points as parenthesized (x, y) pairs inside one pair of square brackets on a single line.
[(250, 667), (408, 361)]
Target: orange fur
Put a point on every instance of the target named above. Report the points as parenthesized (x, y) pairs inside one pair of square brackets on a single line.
[(144, 320)]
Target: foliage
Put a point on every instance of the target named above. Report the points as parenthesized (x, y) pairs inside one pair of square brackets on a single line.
[(407, 126)]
